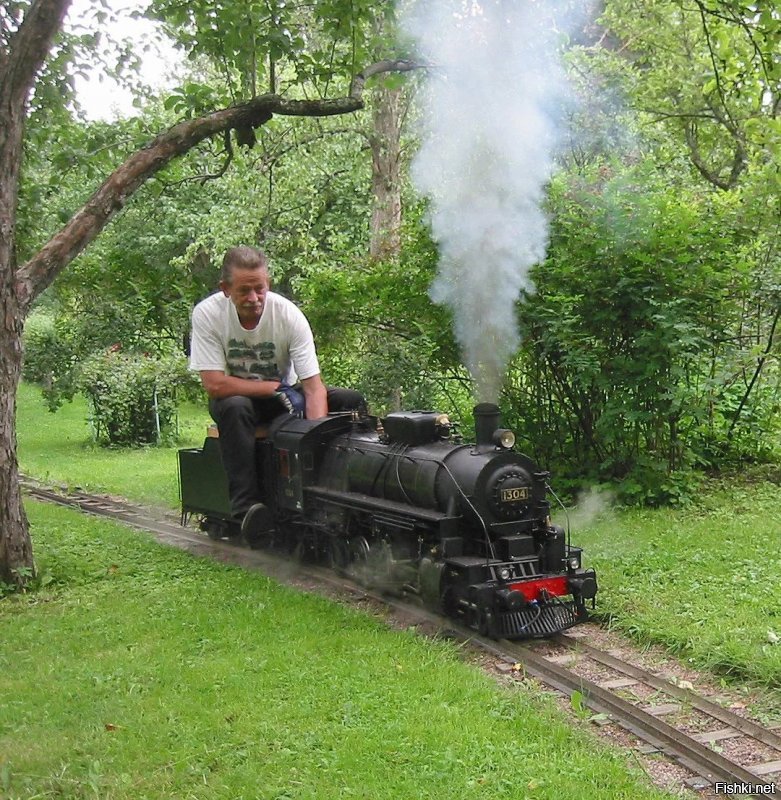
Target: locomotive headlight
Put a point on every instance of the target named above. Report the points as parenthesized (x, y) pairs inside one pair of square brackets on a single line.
[(574, 562), (504, 438), (505, 573)]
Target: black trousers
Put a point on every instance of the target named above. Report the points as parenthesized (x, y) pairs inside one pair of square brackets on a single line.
[(237, 417)]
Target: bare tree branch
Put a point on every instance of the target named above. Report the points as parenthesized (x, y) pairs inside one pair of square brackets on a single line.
[(714, 174), (209, 176)]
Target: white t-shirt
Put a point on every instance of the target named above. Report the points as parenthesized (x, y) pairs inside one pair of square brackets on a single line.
[(280, 348)]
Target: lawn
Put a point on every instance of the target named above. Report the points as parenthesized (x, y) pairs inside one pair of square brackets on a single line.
[(703, 580), (138, 671)]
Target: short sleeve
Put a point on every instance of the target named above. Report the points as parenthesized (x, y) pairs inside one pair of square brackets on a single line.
[(303, 355), (206, 350)]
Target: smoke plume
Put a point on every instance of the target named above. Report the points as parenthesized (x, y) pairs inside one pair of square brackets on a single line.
[(489, 131)]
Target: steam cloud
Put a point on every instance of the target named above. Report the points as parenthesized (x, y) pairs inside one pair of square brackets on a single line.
[(486, 155)]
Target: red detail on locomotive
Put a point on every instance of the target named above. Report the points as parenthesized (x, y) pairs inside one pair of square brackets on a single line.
[(531, 589)]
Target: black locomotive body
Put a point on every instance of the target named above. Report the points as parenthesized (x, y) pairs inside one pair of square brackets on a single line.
[(402, 505)]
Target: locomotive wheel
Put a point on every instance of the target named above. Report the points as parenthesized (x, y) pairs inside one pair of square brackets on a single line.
[(214, 531), (486, 622), (382, 565), (359, 559), (430, 583), (259, 541), (258, 525), (304, 544), (339, 555)]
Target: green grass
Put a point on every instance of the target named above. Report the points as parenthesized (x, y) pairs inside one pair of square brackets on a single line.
[(58, 448), (140, 672), (703, 581)]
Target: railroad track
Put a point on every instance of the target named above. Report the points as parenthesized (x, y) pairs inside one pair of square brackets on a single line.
[(699, 723), (698, 729)]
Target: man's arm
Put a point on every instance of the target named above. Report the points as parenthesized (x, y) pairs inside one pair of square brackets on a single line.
[(219, 385), (315, 396)]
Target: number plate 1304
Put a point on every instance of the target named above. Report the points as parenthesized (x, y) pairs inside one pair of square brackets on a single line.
[(514, 494)]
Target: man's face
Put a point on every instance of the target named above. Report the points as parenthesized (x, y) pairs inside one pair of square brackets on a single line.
[(247, 291)]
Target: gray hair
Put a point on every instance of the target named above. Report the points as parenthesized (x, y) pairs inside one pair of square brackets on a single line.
[(242, 257)]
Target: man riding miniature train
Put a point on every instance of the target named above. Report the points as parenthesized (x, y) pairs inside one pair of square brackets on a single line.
[(256, 357)]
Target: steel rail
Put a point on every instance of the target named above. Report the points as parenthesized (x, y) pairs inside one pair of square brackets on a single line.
[(273, 565), (688, 751), (171, 532)]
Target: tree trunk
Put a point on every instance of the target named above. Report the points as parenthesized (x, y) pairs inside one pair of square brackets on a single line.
[(385, 142), (16, 554), (20, 61)]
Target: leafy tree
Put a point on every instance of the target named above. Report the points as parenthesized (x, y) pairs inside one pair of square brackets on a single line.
[(635, 338), (652, 342), (709, 71), (377, 326), (26, 36)]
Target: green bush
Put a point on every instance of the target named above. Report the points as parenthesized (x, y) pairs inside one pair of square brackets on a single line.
[(50, 358), (645, 353), (133, 396)]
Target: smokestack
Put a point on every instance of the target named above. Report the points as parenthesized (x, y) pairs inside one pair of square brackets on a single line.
[(487, 420)]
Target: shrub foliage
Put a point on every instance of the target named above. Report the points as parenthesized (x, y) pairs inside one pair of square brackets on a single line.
[(133, 397)]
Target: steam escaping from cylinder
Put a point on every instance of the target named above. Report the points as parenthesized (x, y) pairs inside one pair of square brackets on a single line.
[(493, 94)]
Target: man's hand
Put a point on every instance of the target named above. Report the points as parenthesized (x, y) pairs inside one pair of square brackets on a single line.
[(292, 400)]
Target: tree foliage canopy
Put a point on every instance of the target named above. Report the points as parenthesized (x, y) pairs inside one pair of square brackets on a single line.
[(708, 71)]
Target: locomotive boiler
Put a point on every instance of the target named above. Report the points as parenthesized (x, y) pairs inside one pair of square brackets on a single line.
[(403, 504)]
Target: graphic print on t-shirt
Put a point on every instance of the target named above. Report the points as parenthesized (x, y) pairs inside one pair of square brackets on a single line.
[(252, 361)]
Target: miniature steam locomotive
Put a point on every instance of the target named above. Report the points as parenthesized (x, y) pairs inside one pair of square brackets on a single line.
[(402, 504)]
